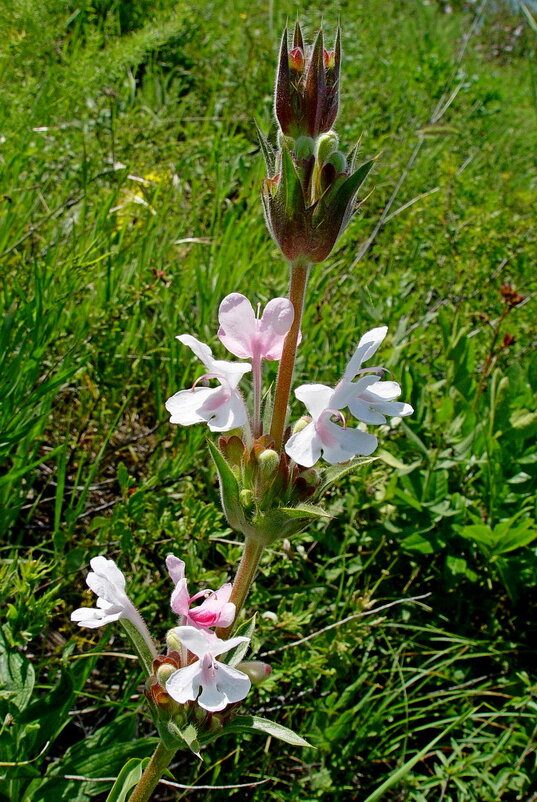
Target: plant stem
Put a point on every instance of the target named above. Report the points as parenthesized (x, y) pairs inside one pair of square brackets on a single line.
[(243, 580), (160, 761), (256, 370), (297, 292)]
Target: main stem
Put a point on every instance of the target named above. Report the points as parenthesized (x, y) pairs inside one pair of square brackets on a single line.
[(243, 580), (159, 762), (297, 292)]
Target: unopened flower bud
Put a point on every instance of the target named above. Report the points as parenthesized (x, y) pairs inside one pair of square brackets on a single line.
[(304, 147), (301, 424), (311, 476), (164, 672), (173, 642), (256, 670), (338, 160), (268, 462), (326, 144), (246, 498), (296, 59)]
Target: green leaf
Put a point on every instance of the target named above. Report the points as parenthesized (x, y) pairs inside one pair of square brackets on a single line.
[(307, 511), (176, 737), (17, 678), (265, 727), (246, 629), (128, 777), (229, 489), (267, 150), (332, 475)]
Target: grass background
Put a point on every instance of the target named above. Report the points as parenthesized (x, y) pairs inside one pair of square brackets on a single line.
[(130, 181)]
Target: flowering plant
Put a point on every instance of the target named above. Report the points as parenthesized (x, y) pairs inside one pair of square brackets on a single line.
[(272, 475)]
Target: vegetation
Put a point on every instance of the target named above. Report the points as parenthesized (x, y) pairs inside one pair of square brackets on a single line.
[(130, 182)]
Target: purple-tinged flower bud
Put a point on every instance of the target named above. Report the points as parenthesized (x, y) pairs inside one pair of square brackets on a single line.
[(297, 61), (256, 670), (307, 86)]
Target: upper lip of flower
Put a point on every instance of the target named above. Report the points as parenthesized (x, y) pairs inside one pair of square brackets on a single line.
[(249, 337), (216, 610)]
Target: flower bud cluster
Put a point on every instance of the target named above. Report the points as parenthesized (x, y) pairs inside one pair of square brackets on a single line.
[(310, 191)]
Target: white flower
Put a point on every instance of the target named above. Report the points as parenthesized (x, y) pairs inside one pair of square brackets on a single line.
[(108, 583), (219, 683), (222, 408), (369, 399), (322, 435)]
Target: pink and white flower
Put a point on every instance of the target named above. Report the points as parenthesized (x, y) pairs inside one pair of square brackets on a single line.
[(249, 337), (215, 611), (212, 684), (322, 435), (369, 399), (222, 408)]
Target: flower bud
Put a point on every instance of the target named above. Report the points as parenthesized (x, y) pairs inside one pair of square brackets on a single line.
[(301, 424), (311, 476), (269, 461), (296, 59), (338, 161), (304, 147), (256, 670), (307, 88), (164, 672), (326, 144), (173, 642), (246, 498)]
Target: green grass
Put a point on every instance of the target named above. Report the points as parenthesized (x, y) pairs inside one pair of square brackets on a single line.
[(130, 181)]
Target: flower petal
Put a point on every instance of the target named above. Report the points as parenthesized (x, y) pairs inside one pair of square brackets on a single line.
[(201, 350), (184, 406), (109, 571), (343, 444), (366, 412), (176, 568), (229, 685), (93, 618), (276, 320), (304, 447), (184, 684), (316, 397), (237, 325), (180, 600), (366, 348)]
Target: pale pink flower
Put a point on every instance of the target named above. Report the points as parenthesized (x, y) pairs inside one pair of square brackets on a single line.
[(215, 611), (220, 684), (222, 408), (369, 399), (322, 435), (249, 337)]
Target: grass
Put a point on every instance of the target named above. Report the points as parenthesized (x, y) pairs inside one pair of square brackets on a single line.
[(130, 183)]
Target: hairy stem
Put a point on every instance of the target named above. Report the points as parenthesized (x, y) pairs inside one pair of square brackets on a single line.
[(243, 580), (297, 292), (159, 762), (256, 369)]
